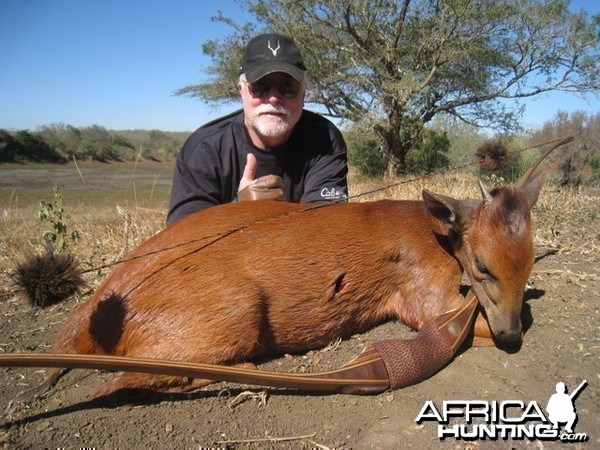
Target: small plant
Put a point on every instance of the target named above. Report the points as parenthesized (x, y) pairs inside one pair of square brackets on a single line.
[(492, 180), (54, 213)]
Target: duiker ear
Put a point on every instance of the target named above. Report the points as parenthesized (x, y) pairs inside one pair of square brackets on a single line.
[(449, 210), (532, 187)]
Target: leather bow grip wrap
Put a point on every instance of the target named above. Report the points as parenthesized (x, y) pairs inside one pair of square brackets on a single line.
[(411, 361), (269, 187)]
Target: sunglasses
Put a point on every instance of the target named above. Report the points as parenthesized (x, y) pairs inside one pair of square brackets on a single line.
[(289, 88)]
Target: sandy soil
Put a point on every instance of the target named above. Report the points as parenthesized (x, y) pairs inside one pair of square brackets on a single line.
[(562, 343)]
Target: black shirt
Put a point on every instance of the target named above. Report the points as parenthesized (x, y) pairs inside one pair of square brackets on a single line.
[(209, 167)]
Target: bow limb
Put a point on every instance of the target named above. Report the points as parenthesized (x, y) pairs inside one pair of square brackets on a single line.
[(381, 366)]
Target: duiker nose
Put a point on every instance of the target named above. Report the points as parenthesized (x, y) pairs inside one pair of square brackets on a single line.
[(510, 337)]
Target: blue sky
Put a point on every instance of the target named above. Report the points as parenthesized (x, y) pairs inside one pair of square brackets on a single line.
[(116, 63)]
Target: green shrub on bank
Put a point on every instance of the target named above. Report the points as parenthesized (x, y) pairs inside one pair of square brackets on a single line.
[(59, 143)]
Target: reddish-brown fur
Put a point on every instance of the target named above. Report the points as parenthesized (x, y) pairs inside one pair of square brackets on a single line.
[(290, 280)]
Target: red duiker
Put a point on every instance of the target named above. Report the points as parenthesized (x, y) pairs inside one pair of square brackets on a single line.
[(245, 279)]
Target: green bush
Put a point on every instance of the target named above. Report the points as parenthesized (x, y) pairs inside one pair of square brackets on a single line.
[(27, 146), (365, 153), (429, 154), (54, 214), (58, 143), (9, 147)]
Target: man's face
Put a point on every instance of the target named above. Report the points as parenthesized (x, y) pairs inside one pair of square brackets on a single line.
[(272, 107)]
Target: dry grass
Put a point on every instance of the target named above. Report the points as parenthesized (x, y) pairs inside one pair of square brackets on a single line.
[(107, 234), (458, 185), (568, 220), (113, 222), (113, 207)]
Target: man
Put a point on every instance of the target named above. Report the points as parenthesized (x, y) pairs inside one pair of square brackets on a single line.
[(271, 149), (560, 408)]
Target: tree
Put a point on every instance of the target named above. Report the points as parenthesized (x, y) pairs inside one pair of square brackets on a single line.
[(97, 144), (31, 147), (406, 62), (9, 147)]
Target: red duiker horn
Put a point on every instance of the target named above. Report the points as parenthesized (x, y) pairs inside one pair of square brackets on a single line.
[(384, 365), (523, 181)]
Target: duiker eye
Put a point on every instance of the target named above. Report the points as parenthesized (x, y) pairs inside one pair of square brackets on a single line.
[(482, 268)]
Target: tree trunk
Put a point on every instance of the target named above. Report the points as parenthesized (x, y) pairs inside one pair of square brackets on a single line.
[(394, 166), (398, 136), (393, 147)]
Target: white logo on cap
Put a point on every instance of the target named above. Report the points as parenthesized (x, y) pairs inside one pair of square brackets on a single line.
[(274, 50)]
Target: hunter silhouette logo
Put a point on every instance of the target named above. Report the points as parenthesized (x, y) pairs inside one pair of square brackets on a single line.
[(560, 406), (506, 420)]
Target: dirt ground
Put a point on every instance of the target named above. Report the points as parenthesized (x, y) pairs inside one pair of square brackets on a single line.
[(562, 343)]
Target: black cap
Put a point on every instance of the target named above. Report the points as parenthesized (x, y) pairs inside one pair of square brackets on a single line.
[(270, 53)]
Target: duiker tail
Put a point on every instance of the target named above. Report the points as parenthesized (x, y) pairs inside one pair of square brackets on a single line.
[(48, 278)]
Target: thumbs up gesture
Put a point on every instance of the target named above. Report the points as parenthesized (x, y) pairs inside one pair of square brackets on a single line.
[(268, 187)]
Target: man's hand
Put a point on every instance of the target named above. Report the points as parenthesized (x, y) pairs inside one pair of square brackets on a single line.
[(269, 187)]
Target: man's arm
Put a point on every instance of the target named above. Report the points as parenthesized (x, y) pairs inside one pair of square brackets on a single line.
[(196, 184), (326, 179)]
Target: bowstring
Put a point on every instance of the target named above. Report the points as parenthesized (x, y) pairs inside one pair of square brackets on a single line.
[(221, 235)]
